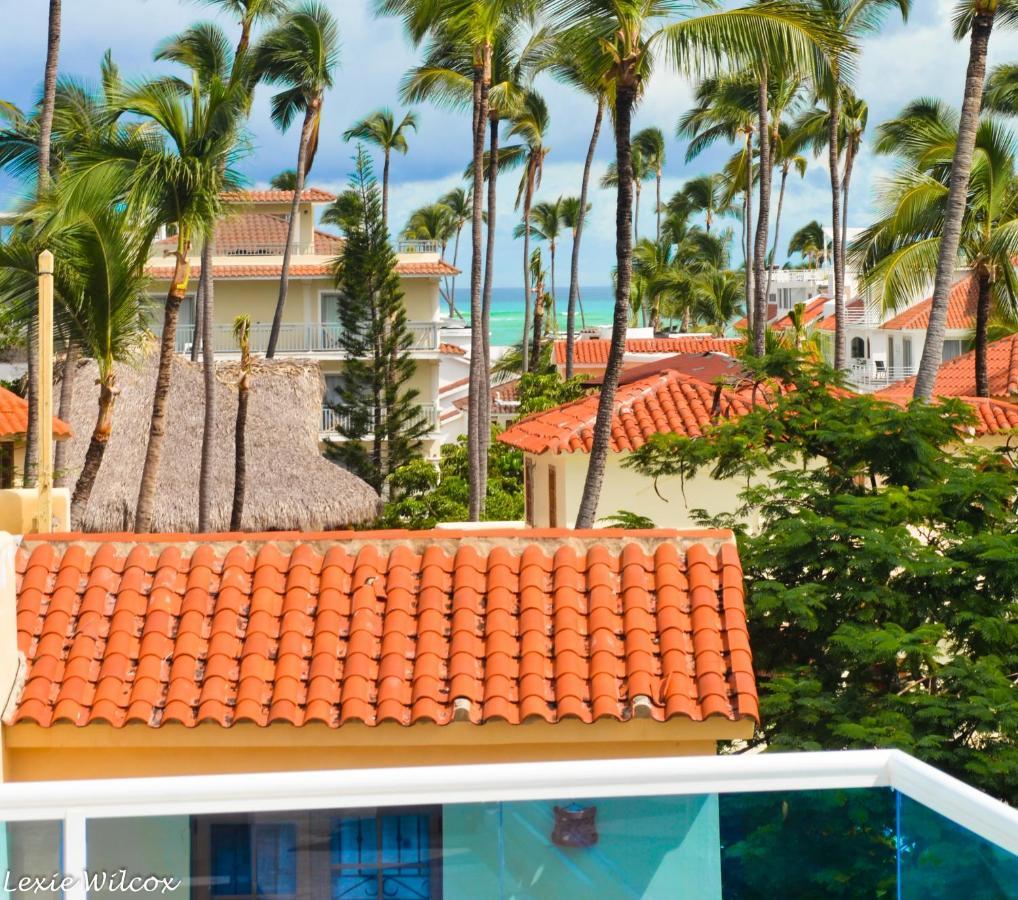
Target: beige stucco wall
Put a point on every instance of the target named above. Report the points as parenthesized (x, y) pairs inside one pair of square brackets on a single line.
[(623, 489), (67, 751)]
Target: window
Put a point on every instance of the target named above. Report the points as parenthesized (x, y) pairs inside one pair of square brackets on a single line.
[(331, 304), (785, 298), (552, 496), (528, 491), (858, 348), (360, 855), (906, 353), (6, 465), (952, 349)]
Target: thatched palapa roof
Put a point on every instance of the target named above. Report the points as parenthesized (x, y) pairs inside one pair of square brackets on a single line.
[(290, 486)]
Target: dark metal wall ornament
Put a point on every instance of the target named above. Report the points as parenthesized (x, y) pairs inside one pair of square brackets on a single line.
[(575, 826)]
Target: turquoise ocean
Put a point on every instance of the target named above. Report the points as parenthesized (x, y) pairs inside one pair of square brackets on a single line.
[(507, 310)]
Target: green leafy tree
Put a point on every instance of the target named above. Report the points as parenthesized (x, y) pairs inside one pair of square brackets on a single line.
[(381, 129), (380, 420), (883, 574)]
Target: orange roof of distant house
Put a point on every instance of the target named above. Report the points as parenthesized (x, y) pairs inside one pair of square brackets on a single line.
[(308, 195), (772, 311), (961, 309), (666, 403), (298, 270), (957, 377), (709, 367), (14, 417), (595, 352), (451, 349), (393, 626)]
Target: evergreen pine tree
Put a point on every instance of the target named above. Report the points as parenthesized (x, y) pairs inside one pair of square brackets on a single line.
[(380, 418)]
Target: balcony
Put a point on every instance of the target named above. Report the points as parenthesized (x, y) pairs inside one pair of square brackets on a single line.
[(859, 824), (410, 247), (301, 338), (868, 375), (333, 419)]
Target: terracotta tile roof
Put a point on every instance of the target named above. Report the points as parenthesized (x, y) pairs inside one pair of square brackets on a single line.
[(666, 403), (957, 377), (454, 385), (504, 392), (388, 626), (14, 417), (961, 309), (257, 233), (992, 417), (595, 352), (308, 195), (298, 270), (452, 349), (812, 311), (709, 367)]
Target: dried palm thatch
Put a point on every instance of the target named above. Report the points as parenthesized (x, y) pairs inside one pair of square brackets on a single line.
[(290, 485)]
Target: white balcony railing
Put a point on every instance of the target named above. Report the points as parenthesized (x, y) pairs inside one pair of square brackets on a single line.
[(301, 337), (419, 247), (867, 375), (332, 419)]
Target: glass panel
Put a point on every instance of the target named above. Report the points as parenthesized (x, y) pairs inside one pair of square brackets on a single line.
[(952, 349), (330, 308), (612, 848), (30, 859), (941, 859), (125, 852), (275, 857), (822, 844), (230, 852)]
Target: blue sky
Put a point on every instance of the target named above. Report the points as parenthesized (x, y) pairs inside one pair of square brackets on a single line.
[(898, 65)]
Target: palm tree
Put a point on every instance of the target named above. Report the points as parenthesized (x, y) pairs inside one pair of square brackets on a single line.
[(459, 202), (900, 253), (465, 37), (530, 124), (547, 226), (651, 144), (851, 19), (537, 276), (242, 335), (380, 129), (284, 181), (248, 13), (809, 242), (725, 110), (642, 171), (593, 84), (573, 218), (1001, 94), (787, 158), (976, 19), (718, 300), (706, 195), (300, 54), (170, 171), (619, 38)]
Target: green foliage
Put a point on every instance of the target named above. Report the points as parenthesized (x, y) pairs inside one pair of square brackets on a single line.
[(631, 521), (422, 496), (540, 391), (380, 418), (883, 577)]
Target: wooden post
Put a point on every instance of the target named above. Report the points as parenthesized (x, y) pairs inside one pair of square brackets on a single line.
[(44, 518)]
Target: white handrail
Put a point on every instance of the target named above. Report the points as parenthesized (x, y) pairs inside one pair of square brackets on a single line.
[(428, 785)]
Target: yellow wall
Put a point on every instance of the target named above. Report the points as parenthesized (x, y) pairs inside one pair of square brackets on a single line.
[(99, 751), (668, 506)]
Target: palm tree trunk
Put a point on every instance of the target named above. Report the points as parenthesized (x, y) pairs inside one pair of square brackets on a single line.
[(489, 281), (284, 277), (96, 450), (145, 508), (845, 185), (625, 97), (64, 411), (763, 220), (453, 312), (838, 249), (574, 269), (983, 307), (660, 174), (482, 76), (205, 477), (747, 235), (636, 211), (199, 311), (777, 231), (961, 169), (240, 450), (385, 190), (528, 199), (554, 302), (45, 133), (538, 319)]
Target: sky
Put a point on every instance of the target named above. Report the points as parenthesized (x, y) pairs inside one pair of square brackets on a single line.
[(897, 65)]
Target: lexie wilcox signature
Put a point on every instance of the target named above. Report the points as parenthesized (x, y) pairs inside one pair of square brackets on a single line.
[(118, 881)]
